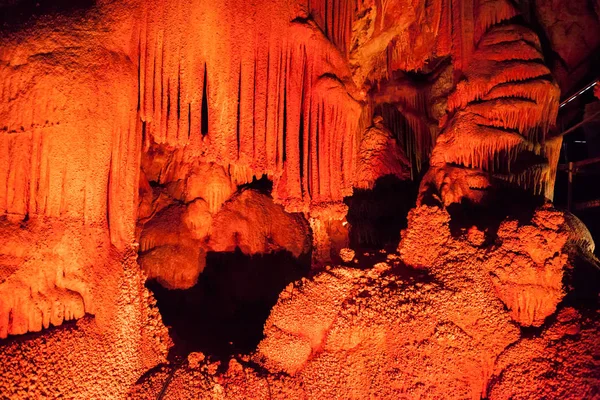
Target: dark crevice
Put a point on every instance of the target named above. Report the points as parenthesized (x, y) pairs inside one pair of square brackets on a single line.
[(139, 75), (262, 184), (153, 83), (377, 216), (502, 203), (239, 109), (224, 313), (189, 132), (301, 138), (178, 95), (497, 99), (204, 109), (547, 78), (285, 117), (168, 99), (502, 129), (320, 123)]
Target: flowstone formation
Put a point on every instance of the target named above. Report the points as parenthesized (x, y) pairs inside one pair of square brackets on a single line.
[(98, 356), (219, 151), (445, 323)]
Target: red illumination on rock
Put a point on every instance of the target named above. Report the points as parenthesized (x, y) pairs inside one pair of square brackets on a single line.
[(143, 140)]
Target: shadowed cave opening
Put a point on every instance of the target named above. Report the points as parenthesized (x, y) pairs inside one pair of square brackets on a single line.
[(224, 313), (377, 216)]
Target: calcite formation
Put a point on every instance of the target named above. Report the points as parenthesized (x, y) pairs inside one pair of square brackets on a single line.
[(280, 95), (142, 139), (379, 155), (389, 330), (97, 357), (175, 241), (527, 263)]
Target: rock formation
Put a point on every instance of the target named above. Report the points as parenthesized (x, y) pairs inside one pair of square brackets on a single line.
[(142, 140), (446, 326)]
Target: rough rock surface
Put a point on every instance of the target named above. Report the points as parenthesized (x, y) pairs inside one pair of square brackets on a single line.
[(562, 362), (347, 255), (526, 261), (45, 277), (114, 113), (528, 266), (252, 222), (393, 331), (379, 155), (96, 357), (174, 242)]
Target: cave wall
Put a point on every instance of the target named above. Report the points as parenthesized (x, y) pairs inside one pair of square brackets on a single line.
[(87, 92), (135, 126)]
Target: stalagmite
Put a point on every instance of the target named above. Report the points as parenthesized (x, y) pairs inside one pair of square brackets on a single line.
[(379, 155), (501, 109)]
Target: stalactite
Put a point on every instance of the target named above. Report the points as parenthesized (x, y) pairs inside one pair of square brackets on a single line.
[(379, 155), (500, 73), (410, 101), (335, 19), (490, 13), (503, 106), (278, 83), (462, 33), (64, 129), (552, 153)]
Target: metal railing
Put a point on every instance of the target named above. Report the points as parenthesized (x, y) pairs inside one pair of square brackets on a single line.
[(572, 169)]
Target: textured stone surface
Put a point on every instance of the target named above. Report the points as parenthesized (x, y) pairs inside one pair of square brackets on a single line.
[(442, 331), (97, 357), (145, 127), (526, 261)]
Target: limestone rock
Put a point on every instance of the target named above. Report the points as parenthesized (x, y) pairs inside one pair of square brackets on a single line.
[(347, 255)]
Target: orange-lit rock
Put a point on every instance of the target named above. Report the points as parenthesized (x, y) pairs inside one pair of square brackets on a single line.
[(526, 262), (564, 362), (169, 250), (371, 333), (388, 331), (252, 222), (500, 113), (347, 255), (138, 138), (528, 266), (174, 243), (51, 272), (96, 357), (379, 155)]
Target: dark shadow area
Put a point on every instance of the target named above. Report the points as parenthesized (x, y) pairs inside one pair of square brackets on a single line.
[(503, 202), (263, 185), (402, 131), (585, 193), (17, 12), (591, 219), (377, 216), (224, 313), (583, 280)]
